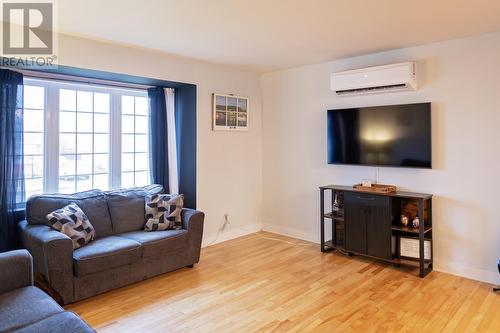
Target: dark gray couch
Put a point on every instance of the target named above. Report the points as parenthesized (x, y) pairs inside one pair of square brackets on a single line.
[(121, 254), (25, 308)]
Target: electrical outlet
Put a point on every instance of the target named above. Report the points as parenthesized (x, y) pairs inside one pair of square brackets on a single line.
[(226, 222)]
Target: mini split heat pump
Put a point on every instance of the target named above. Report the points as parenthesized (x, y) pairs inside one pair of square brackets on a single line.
[(378, 79)]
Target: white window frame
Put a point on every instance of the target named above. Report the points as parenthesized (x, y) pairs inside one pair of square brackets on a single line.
[(51, 127)]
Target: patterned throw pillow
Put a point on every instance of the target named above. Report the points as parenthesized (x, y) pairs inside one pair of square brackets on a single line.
[(72, 221), (163, 211)]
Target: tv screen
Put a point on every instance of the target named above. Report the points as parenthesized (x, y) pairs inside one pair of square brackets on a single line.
[(392, 135)]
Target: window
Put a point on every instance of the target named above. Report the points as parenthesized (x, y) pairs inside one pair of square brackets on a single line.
[(33, 138), (79, 137), (84, 136), (135, 156)]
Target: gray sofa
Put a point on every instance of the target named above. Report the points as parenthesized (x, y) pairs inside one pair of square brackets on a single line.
[(122, 252), (25, 308)]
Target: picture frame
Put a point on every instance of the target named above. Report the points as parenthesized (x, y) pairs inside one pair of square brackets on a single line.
[(230, 112), (409, 248)]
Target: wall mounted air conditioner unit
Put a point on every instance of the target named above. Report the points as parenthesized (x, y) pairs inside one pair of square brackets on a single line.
[(388, 78)]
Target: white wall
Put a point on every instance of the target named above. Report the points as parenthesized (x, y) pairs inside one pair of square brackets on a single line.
[(229, 166), (462, 80), (284, 154)]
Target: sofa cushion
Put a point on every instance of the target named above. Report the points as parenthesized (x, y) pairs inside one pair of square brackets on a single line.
[(25, 306), (163, 211), (65, 322), (72, 221), (105, 253), (93, 204), (156, 243), (126, 207), (152, 189)]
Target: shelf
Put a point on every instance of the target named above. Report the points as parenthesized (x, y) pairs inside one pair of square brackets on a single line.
[(410, 230), (331, 215), (330, 244), (410, 262), (395, 260)]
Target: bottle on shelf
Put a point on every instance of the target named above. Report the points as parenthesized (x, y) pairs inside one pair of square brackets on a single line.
[(336, 206)]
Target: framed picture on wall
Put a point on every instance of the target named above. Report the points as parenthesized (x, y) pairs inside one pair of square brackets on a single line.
[(230, 113)]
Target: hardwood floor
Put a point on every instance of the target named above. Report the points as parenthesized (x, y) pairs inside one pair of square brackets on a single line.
[(270, 283)]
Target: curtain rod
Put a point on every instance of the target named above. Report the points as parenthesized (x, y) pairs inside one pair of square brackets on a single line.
[(81, 79)]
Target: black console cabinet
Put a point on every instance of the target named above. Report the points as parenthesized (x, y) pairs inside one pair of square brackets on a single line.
[(368, 224), (369, 228)]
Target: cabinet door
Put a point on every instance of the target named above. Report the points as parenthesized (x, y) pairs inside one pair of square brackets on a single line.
[(378, 228), (355, 223)]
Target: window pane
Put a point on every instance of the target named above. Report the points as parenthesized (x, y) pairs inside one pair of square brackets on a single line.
[(37, 167), (33, 186), (67, 184), (67, 122), (127, 179), (84, 101), (141, 178), (127, 143), (127, 104), (67, 166), (67, 100), (127, 162), (141, 162), (84, 143), (91, 146), (84, 122), (101, 143), (101, 102), (67, 143), (128, 124), (33, 120), (141, 106), (141, 124), (101, 182), (141, 143), (83, 183), (135, 141), (33, 166), (28, 166), (33, 143), (101, 163), (34, 97), (101, 123), (83, 164)]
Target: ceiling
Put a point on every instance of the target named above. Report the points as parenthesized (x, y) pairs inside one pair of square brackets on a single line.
[(267, 35)]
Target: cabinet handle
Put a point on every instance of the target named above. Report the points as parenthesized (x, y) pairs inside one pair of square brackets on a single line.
[(366, 198)]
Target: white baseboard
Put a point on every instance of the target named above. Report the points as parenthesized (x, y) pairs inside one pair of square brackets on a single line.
[(291, 232), (231, 233), (467, 272), (446, 267)]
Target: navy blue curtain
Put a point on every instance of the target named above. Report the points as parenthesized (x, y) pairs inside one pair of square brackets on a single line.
[(11, 155), (158, 142)]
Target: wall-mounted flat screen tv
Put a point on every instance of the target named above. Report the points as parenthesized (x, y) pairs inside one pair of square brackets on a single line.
[(391, 135)]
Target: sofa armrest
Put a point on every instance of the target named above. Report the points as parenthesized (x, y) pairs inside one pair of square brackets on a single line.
[(52, 253), (16, 270), (192, 221)]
